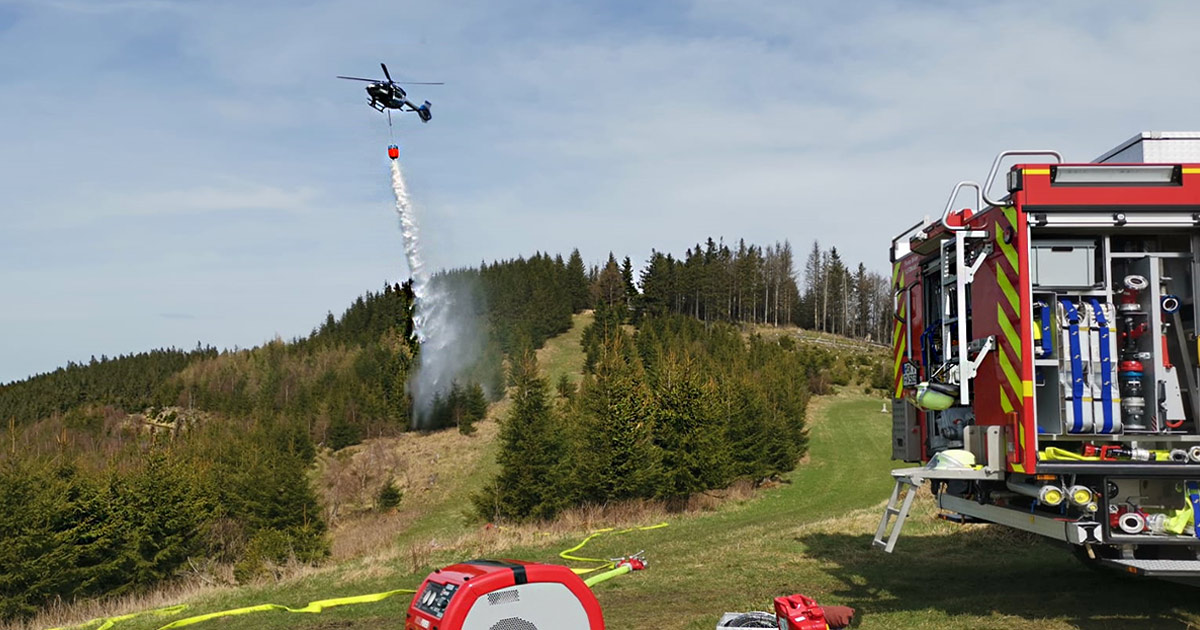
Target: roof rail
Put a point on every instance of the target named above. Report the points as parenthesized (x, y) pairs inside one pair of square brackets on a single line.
[(954, 195), (991, 179)]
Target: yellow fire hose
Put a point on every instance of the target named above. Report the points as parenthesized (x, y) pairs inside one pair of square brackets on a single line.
[(608, 575), (604, 564), (324, 604), (104, 623), (1054, 453)]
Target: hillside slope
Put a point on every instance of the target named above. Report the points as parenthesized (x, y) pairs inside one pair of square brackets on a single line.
[(810, 535)]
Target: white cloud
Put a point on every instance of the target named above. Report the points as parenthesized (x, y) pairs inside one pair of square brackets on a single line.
[(208, 198), (222, 132)]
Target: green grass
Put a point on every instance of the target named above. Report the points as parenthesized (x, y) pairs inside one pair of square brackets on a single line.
[(811, 535), (564, 354), (560, 355)]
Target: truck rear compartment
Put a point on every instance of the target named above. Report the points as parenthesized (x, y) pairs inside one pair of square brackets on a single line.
[(1052, 336)]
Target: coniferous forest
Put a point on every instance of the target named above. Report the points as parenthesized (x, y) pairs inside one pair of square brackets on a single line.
[(751, 283), (119, 473)]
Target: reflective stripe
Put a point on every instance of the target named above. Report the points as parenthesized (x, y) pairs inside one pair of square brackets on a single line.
[(1010, 213), (899, 345), (1014, 381), (1009, 251), (1010, 333), (1036, 171), (1006, 286), (1005, 403)]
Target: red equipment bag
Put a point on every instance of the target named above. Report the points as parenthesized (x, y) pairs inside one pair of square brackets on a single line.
[(800, 612)]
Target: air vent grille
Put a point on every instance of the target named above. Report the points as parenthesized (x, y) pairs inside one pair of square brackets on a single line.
[(513, 623), (503, 597)]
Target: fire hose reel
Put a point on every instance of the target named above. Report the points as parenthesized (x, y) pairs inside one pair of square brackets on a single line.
[(503, 595)]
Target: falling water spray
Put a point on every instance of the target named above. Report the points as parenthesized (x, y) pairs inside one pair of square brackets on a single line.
[(450, 340), (412, 242)]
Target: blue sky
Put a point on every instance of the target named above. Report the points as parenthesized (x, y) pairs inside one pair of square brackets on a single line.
[(180, 171)]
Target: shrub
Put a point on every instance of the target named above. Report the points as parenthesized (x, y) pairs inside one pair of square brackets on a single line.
[(389, 496)]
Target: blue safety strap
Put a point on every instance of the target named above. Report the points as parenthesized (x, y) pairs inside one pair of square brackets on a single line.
[(1105, 367), (927, 355), (1047, 347), (1193, 492), (1076, 365)]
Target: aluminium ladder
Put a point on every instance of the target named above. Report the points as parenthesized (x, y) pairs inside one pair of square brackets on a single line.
[(897, 508), (910, 480)]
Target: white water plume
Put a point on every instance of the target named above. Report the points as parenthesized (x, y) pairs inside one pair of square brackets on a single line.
[(442, 317), (412, 238)]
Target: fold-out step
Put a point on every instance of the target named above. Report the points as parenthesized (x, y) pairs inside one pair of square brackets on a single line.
[(1156, 568)]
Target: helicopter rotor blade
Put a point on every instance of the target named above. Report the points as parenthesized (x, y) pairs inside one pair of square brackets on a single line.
[(361, 79), (419, 83), (386, 73)]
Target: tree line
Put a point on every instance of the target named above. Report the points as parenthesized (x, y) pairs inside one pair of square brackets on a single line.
[(758, 284), (231, 493)]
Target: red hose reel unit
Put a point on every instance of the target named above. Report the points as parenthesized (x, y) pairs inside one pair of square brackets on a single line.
[(503, 595)]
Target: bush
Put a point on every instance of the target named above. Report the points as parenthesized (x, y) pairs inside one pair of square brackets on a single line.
[(343, 434), (388, 497), (881, 376), (266, 548)]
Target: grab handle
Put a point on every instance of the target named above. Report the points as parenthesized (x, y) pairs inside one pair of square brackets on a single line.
[(991, 178)]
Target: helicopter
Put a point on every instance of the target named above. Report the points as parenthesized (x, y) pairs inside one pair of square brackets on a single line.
[(387, 94)]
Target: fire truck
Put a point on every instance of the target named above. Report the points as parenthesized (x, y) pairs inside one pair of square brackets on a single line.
[(1045, 354)]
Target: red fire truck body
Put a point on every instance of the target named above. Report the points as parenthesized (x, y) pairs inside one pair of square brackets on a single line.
[(1045, 354)]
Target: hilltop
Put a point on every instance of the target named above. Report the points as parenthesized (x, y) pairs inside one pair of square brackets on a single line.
[(298, 453)]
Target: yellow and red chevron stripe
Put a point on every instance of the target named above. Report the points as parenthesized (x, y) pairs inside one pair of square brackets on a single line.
[(899, 339), (1008, 344)]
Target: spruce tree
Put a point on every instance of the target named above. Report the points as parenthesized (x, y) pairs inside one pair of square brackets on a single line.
[(688, 431), (577, 282), (533, 445), (609, 287), (615, 455), (744, 411), (474, 408)]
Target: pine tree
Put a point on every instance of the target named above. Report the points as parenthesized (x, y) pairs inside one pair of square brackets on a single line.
[(609, 287), (342, 433), (745, 415), (615, 458), (530, 484), (474, 405), (577, 282), (688, 432), (813, 283)]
